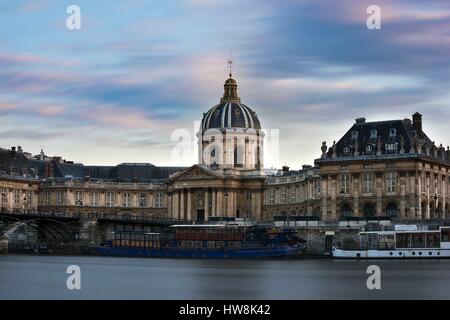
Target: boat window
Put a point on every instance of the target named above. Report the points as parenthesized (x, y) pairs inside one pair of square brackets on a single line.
[(386, 242), (445, 234), (190, 244), (363, 241), (432, 240), (211, 244), (220, 244), (418, 240), (372, 241), (403, 240)]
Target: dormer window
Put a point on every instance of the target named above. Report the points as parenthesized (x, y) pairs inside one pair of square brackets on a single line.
[(373, 134), (354, 135), (369, 148), (392, 132), (391, 146)]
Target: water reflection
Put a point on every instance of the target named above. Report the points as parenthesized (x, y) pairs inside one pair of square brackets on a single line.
[(43, 277)]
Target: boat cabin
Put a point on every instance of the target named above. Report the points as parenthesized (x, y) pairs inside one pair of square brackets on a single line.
[(405, 239)]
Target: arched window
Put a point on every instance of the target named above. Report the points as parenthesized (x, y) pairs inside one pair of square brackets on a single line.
[(369, 210), (392, 132), (392, 210), (346, 211)]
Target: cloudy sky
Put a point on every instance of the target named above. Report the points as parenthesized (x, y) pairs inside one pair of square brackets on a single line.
[(116, 90)]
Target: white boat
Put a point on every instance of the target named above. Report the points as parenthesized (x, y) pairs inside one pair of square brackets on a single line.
[(401, 243)]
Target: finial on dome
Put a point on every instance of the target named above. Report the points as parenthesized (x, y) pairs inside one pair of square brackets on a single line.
[(230, 87), (230, 64)]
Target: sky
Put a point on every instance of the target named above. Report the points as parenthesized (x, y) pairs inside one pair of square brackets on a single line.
[(117, 89)]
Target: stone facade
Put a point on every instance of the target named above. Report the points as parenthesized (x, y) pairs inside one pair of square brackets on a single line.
[(18, 194), (386, 168), (293, 193), (122, 198)]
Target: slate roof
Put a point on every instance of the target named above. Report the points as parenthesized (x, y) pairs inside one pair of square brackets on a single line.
[(384, 138), (16, 163), (230, 115)]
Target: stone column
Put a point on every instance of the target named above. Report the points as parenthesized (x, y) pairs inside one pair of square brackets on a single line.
[(379, 190), (233, 204), (258, 213), (182, 210), (219, 205), (176, 204), (356, 193), (206, 202), (213, 202), (402, 195), (324, 195), (333, 190), (169, 205), (189, 204), (254, 214)]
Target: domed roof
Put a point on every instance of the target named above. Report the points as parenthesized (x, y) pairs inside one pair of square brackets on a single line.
[(230, 115), (230, 112)]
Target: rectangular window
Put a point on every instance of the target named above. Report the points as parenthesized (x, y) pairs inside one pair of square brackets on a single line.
[(391, 182), (345, 183), (283, 195), (47, 198), (271, 194), (127, 199), (143, 200), (159, 199), (59, 198), (293, 194), (17, 193), (4, 196), (367, 182), (317, 189), (110, 199), (29, 198), (79, 198), (94, 199)]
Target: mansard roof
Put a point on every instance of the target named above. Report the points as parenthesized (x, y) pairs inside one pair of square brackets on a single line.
[(384, 139)]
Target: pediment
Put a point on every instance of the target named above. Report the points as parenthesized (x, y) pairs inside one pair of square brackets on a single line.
[(195, 172)]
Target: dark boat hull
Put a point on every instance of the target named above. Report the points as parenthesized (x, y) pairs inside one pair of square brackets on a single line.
[(286, 251)]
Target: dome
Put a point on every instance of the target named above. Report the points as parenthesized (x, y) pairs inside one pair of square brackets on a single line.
[(230, 112), (230, 115)]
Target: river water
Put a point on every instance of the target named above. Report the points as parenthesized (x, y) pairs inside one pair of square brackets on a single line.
[(44, 277)]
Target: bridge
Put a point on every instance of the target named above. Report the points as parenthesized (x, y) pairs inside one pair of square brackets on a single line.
[(61, 230)]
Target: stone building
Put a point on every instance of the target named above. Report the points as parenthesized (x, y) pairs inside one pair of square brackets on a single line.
[(228, 181), (293, 193), (18, 194), (385, 168)]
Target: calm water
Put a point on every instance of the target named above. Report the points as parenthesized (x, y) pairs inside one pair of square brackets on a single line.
[(44, 277)]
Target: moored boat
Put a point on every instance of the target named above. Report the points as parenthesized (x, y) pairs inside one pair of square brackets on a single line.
[(405, 242), (221, 241)]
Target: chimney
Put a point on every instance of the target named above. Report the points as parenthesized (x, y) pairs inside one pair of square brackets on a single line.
[(360, 120), (417, 123)]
